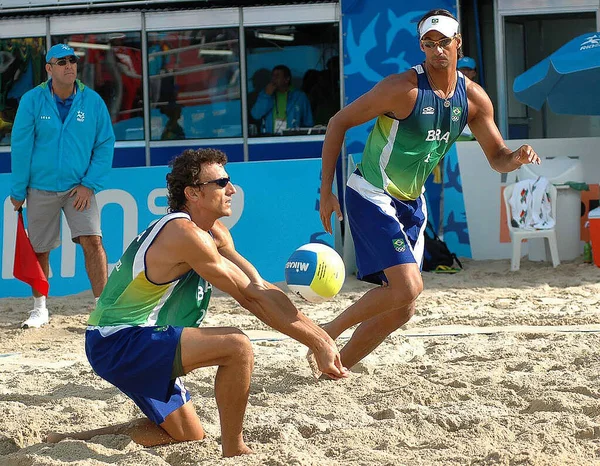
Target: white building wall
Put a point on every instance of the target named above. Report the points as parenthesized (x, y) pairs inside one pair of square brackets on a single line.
[(482, 186)]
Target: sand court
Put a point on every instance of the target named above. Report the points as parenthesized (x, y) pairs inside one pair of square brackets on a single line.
[(495, 368)]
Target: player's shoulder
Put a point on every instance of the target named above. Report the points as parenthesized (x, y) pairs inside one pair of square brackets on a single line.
[(221, 234), (180, 236), (401, 82), (476, 93), (219, 228)]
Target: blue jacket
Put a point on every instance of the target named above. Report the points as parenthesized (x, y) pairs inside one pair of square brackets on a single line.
[(298, 111), (50, 155)]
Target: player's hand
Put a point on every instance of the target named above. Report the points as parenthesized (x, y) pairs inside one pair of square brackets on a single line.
[(17, 204), (270, 88), (329, 204), (83, 197), (329, 361), (525, 155)]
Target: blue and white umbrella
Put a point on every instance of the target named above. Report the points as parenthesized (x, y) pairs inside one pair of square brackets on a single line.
[(569, 79)]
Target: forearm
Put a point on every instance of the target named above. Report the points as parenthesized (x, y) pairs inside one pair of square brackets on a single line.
[(99, 168), (330, 153), (21, 154), (276, 310), (504, 161), (21, 171), (263, 105)]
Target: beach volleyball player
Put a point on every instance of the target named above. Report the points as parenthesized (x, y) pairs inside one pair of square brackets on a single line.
[(143, 335), (419, 114)]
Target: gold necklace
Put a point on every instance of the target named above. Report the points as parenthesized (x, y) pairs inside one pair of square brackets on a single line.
[(441, 94)]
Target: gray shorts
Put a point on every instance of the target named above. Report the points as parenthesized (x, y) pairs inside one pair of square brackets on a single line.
[(43, 218)]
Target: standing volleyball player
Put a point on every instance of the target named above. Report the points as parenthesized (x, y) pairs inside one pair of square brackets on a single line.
[(144, 333), (420, 113)]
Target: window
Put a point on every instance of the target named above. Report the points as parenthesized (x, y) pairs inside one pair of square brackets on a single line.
[(111, 64), (194, 84), (293, 78), (21, 69)]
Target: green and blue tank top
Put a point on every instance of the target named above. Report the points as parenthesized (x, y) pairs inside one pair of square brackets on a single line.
[(131, 299), (400, 154)]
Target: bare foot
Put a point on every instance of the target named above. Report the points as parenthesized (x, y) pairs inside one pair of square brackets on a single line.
[(54, 437), (243, 450)]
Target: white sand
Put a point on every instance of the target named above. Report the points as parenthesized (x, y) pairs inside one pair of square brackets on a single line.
[(495, 368)]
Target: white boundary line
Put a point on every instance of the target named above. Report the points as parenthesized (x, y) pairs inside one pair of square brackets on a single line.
[(449, 330)]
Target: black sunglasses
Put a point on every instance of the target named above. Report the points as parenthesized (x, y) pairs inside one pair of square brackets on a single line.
[(63, 61), (221, 182)]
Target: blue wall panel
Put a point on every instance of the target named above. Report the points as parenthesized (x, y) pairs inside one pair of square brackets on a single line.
[(285, 150), (129, 157)]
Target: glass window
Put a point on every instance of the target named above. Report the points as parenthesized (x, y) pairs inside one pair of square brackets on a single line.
[(21, 69), (194, 84), (293, 78), (111, 64)]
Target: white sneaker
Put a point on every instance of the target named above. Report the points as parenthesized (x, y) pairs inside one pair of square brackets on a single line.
[(37, 318)]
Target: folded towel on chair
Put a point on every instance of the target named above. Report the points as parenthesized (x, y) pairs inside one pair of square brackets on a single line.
[(531, 205)]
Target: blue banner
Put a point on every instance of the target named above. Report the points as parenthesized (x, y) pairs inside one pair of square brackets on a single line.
[(455, 228), (275, 210)]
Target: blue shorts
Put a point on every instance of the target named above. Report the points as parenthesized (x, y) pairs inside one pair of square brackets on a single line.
[(139, 362), (385, 230)]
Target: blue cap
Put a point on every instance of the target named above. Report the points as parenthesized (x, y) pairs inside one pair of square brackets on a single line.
[(59, 51), (466, 62)]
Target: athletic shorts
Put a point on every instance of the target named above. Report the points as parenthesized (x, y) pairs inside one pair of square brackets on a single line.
[(386, 231), (43, 218), (139, 362)]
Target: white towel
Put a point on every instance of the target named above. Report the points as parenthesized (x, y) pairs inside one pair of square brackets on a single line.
[(531, 206)]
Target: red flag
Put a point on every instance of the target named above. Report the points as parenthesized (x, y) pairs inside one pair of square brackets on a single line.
[(26, 267)]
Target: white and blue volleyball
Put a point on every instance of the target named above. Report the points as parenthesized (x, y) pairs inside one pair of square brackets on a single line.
[(315, 272)]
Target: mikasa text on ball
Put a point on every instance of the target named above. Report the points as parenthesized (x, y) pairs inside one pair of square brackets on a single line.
[(315, 272)]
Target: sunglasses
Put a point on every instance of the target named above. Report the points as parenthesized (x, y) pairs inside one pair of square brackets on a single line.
[(63, 61), (443, 43), (221, 182)]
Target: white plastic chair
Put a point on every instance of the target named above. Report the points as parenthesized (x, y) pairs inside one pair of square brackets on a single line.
[(517, 235)]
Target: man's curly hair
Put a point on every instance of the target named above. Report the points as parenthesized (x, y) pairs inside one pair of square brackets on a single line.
[(185, 171)]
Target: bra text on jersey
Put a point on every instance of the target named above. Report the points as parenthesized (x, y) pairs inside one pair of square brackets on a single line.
[(436, 135)]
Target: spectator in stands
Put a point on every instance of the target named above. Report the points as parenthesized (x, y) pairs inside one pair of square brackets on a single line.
[(280, 106), (325, 94), (129, 64), (309, 82), (173, 130), (467, 66)]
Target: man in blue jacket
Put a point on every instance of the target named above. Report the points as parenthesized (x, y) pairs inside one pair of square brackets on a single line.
[(280, 106), (61, 153)]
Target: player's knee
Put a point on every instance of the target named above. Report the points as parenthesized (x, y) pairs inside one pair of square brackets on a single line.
[(408, 291), (241, 348), (183, 435)]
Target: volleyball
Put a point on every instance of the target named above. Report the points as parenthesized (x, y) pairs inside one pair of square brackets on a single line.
[(315, 272)]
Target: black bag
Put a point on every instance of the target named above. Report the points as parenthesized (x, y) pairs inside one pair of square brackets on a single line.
[(436, 252)]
